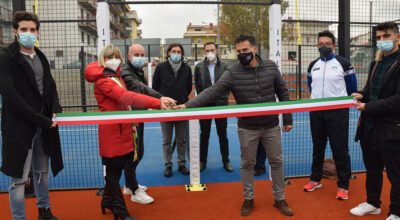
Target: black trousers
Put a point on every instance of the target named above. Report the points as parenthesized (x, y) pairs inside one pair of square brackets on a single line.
[(332, 125), (375, 160), (130, 168), (205, 127)]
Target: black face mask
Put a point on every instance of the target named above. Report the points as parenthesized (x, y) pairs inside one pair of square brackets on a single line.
[(325, 51), (245, 58)]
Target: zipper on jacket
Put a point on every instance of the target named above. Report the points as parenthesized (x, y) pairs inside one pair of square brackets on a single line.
[(323, 80), (258, 93)]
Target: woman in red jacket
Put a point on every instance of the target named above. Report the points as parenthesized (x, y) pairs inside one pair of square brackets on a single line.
[(116, 141)]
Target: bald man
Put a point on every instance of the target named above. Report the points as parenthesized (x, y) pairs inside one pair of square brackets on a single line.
[(134, 79)]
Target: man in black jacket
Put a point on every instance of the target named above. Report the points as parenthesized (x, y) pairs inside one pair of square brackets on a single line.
[(206, 73), (134, 79), (254, 80), (379, 125), (173, 78), (30, 100)]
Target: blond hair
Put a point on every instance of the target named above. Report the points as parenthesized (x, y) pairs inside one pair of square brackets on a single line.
[(108, 50), (379, 55)]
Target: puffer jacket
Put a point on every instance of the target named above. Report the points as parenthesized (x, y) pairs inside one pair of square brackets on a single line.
[(115, 139), (249, 85)]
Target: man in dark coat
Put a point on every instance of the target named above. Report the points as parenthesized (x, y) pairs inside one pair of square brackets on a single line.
[(30, 100), (379, 125), (173, 78), (206, 73)]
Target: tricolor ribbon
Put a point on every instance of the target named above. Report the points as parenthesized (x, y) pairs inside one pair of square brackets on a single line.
[(269, 108)]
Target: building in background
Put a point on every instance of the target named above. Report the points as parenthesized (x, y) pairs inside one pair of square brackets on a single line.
[(201, 34), (134, 21), (74, 39)]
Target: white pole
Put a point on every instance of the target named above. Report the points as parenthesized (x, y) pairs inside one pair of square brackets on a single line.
[(103, 31), (103, 25), (194, 137), (275, 41)]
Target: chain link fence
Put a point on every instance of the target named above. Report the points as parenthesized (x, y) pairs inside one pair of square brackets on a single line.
[(68, 37)]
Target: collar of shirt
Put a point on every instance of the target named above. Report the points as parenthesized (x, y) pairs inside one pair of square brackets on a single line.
[(211, 68), (32, 55)]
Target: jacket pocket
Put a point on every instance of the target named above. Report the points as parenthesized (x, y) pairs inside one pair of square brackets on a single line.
[(392, 130)]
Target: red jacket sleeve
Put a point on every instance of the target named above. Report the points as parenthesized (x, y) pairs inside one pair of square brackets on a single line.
[(125, 97)]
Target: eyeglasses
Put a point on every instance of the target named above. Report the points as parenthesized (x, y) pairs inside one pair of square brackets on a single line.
[(319, 45)]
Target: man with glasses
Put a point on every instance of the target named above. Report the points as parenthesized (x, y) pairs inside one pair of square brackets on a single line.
[(330, 76)]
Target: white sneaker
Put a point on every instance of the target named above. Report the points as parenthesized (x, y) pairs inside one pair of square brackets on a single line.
[(141, 197), (393, 217), (128, 191), (365, 209), (143, 188)]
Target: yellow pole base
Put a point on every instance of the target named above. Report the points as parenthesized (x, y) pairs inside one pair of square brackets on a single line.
[(195, 187)]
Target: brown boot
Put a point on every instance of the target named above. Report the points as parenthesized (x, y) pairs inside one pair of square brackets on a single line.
[(247, 206), (283, 207)]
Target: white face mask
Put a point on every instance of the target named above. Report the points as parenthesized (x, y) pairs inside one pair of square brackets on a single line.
[(113, 64), (211, 56)]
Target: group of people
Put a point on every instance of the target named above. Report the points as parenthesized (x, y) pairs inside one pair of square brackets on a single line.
[(30, 101)]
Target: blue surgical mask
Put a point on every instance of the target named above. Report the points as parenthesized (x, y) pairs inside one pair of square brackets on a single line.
[(138, 62), (385, 45), (27, 39), (175, 58)]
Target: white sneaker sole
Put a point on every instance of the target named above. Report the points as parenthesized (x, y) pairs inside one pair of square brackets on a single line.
[(375, 212), (143, 202), (316, 187)]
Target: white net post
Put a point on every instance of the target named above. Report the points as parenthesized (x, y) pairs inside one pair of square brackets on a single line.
[(103, 26), (275, 41)]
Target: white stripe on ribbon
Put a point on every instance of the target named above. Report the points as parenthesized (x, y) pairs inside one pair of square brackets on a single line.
[(200, 114)]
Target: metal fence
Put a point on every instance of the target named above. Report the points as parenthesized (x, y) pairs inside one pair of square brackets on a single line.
[(68, 36)]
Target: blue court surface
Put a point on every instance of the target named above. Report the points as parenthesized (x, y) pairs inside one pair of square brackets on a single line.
[(83, 167)]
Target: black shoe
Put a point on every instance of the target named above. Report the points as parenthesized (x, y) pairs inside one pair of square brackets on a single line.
[(259, 170), (168, 172), (203, 166), (45, 214), (183, 170), (247, 207), (106, 201), (118, 202), (228, 167)]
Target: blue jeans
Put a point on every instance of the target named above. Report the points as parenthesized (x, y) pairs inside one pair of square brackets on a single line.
[(40, 172)]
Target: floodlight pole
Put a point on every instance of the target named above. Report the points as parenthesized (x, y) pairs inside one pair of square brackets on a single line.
[(344, 28)]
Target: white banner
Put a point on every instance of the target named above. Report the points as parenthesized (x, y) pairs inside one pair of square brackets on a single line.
[(275, 34), (103, 25)]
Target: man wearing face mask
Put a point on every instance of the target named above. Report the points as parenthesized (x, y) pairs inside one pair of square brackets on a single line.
[(173, 78), (206, 73), (379, 126), (134, 79), (30, 100), (254, 80), (330, 76)]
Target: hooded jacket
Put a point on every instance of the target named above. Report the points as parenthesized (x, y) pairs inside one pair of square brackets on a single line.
[(115, 139)]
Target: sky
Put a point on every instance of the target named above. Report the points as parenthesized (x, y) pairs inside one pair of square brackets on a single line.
[(171, 20)]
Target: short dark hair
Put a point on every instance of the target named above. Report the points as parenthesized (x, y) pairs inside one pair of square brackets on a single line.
[(172, 45), (210, 43), (24, 16), (327, 33), (244, 37), (388, 25)]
